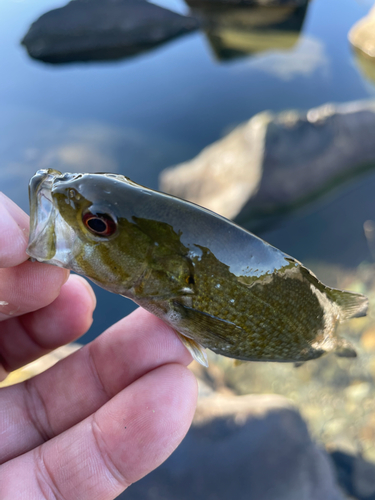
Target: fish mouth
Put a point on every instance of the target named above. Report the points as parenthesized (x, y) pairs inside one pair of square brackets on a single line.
[(50, 237)]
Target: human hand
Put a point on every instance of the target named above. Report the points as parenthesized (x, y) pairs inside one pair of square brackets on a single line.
[(98, 420)]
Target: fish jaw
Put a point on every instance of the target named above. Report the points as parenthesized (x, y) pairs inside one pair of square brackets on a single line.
[(51, 240)]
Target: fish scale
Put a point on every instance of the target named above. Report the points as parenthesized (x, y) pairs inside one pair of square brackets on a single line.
[(264, 336)]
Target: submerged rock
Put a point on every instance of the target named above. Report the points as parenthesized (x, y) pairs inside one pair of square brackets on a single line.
[(277, 162), (244, 447), (93, 30)]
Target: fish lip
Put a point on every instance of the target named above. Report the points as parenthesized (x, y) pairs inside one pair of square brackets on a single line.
[(42, 242)]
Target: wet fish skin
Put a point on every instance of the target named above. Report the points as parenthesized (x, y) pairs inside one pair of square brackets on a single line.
[(216, 284)]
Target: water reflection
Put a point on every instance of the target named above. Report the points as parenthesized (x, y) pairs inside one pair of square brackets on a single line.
[(83, 145), (94, 31), (238, 31)]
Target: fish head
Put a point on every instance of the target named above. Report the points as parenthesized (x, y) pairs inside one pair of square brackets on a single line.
[(74, 222), (87, 223)]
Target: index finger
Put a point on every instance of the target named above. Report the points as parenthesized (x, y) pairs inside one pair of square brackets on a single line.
[(24, 286)]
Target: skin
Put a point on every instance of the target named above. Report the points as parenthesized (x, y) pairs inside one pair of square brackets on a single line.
[(103, 417)]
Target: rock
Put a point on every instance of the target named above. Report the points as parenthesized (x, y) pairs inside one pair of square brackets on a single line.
[(356, 476), (277, 162), (236, 31), (363, 479), (92, 30), (362, 34), (248, 448), (362, 38)]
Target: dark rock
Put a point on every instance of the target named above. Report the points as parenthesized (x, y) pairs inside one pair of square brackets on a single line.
[(92, 30), (275, 163), (248, 448), (355, 475)]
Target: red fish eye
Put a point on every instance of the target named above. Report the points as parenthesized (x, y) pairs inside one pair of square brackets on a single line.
[(100, 224)]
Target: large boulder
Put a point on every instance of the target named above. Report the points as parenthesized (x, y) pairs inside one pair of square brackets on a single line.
[(244, 447), (90, 30), (276, 162)]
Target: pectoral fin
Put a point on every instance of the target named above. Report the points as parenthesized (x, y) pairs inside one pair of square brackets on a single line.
[(205, 328)]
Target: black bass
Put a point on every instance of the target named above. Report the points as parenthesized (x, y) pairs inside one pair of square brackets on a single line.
[(216, 284)]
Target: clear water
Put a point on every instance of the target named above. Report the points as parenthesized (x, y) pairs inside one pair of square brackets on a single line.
[(140, 115)]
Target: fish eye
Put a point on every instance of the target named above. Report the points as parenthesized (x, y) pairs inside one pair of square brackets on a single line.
[(99, 224)]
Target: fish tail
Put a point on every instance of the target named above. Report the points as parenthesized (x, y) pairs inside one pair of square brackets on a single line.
[(352, 305)]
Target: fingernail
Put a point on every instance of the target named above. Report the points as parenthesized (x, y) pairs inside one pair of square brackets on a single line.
[(7, 309)]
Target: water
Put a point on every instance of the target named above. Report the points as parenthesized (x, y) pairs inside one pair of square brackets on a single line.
[(140, 115)]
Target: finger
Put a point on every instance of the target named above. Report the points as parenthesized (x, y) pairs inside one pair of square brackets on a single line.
[(28, 287), (26, 338), (123, 441), (14, 233), (86, 380), (24, 286)]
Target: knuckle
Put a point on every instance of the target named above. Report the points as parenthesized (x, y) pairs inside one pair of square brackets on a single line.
[(106, 456), (36, 411), (45, 481)]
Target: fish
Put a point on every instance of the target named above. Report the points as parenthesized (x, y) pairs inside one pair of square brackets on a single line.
[(217, 285)]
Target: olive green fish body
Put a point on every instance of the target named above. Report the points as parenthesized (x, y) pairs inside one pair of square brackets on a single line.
[(217, 284)]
